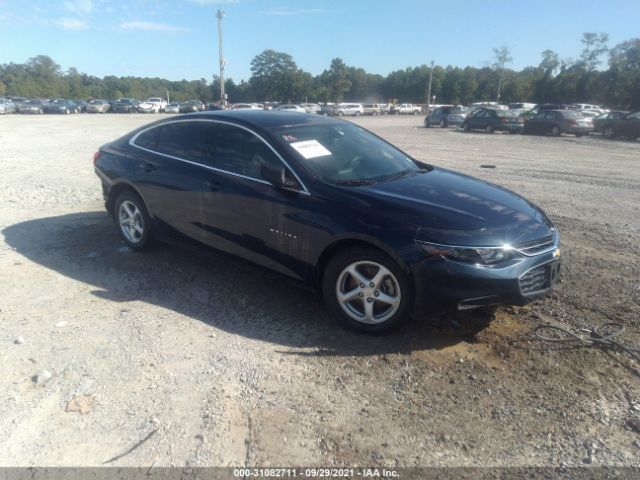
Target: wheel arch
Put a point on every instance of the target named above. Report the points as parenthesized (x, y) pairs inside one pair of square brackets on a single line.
[(340, 244), (116, 189)]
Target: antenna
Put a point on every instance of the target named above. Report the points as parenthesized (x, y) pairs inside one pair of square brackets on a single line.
[(220, 16)]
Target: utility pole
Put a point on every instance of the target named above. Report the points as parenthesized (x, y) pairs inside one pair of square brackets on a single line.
[(429, 91), (220, 16)]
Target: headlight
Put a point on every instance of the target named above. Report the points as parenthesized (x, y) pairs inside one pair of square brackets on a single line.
[(477, 256)]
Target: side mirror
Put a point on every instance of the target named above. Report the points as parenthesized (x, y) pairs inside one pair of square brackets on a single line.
[(277, 175)]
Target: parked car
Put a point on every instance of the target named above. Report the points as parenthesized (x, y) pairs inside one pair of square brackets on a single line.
[(125, 105), (31, 107), (445, 116), (311, 107), (60, 106), (521, 106), (587, 107), (350, 109), (173, 107), (148, 107), (405, 109), (493, 119), (371, 109), (159, 102), (605, 121), (290, 108), (98, 106), (328, 203), (627, 126), (557, 122), (245, 106), (81, 104), (7, 106), (192, 106), (385, 108)]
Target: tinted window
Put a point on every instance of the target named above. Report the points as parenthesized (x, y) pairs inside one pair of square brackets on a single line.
[(148, 139), (635, 115), (217, 145)]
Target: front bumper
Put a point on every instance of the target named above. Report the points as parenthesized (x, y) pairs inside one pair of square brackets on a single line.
[(445, 284)]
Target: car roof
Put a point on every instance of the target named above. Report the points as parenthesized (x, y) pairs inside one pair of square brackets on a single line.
[(262, 118)]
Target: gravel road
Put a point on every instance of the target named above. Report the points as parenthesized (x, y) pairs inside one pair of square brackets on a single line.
[(233, 365)]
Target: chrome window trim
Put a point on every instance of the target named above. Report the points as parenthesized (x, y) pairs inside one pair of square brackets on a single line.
[(132, 140)]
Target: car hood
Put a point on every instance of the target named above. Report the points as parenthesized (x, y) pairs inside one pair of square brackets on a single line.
[(456, 209)]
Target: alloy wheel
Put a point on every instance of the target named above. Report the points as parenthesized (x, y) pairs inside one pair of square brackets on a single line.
[(131, 222), (368, 292)]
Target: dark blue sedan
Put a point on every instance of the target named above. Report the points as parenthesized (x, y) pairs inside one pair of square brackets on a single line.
[(333, 205)]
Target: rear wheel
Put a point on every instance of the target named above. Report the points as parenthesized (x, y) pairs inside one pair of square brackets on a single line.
[(366, 290), (555, 131), (465, 127), (609, 133), (133, 220)]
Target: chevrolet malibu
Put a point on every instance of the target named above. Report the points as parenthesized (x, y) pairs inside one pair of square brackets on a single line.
[(382, 236)]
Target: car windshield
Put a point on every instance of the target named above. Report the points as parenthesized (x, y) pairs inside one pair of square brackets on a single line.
[(345, 154), (571, 114)]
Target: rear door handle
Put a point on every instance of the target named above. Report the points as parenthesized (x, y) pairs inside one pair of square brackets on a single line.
[(149, 167)]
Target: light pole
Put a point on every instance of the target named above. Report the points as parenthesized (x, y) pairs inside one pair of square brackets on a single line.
[(220, 16), (429, 91)]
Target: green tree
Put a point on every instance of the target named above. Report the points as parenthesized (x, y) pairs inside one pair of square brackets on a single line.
[(273, 76), (335, 80)]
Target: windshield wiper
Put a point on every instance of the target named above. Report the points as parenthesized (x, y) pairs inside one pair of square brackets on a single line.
[(401, 174), (354, 182)]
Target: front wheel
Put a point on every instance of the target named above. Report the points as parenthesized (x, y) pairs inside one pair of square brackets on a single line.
[(465, 127), (133, 220), (366, 291), (555, 131), (489, 128)]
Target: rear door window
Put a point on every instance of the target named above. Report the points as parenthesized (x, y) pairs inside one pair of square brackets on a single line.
[(148, 139)]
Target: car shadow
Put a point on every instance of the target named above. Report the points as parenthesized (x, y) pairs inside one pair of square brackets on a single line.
[(219, 290)]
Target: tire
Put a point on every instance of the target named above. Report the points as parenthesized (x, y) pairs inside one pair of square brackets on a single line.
[(366, 312), (609, 133), (465, 127), (443, 124), (340, 114), (134, 223), (66, 111), (555, 131), (415, 112), (489, 128), (357, 114)]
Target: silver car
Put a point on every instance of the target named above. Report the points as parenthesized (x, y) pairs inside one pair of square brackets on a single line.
[(173, 107), (7, 106), (98, 106), (445, 116)]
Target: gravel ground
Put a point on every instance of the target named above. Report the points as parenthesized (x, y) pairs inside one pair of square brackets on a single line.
[(230, 364)]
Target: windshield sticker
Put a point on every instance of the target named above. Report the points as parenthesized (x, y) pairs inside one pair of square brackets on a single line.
[(289, 138), (310, 149)]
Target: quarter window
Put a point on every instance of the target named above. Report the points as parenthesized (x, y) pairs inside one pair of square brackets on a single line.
[(148, 139)]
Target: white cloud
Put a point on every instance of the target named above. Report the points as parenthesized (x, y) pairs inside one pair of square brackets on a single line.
[(72, 24), (80, 7), (150, 26), (289, 12)]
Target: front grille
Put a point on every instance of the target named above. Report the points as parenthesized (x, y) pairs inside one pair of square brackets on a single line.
[(534, 247), (534, 280)]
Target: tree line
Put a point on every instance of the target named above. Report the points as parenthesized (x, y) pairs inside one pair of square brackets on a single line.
[(276, 77)]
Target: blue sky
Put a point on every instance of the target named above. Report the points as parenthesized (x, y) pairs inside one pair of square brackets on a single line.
[(177, 39)]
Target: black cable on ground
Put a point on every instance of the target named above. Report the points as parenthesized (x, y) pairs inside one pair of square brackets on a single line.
[(597, 337)]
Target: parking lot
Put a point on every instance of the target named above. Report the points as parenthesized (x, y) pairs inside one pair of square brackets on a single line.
[(230, 364)]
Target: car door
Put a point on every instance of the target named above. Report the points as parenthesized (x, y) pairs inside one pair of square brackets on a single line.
[(629, 126), (171, 176), (475, 120), (245, 215)]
